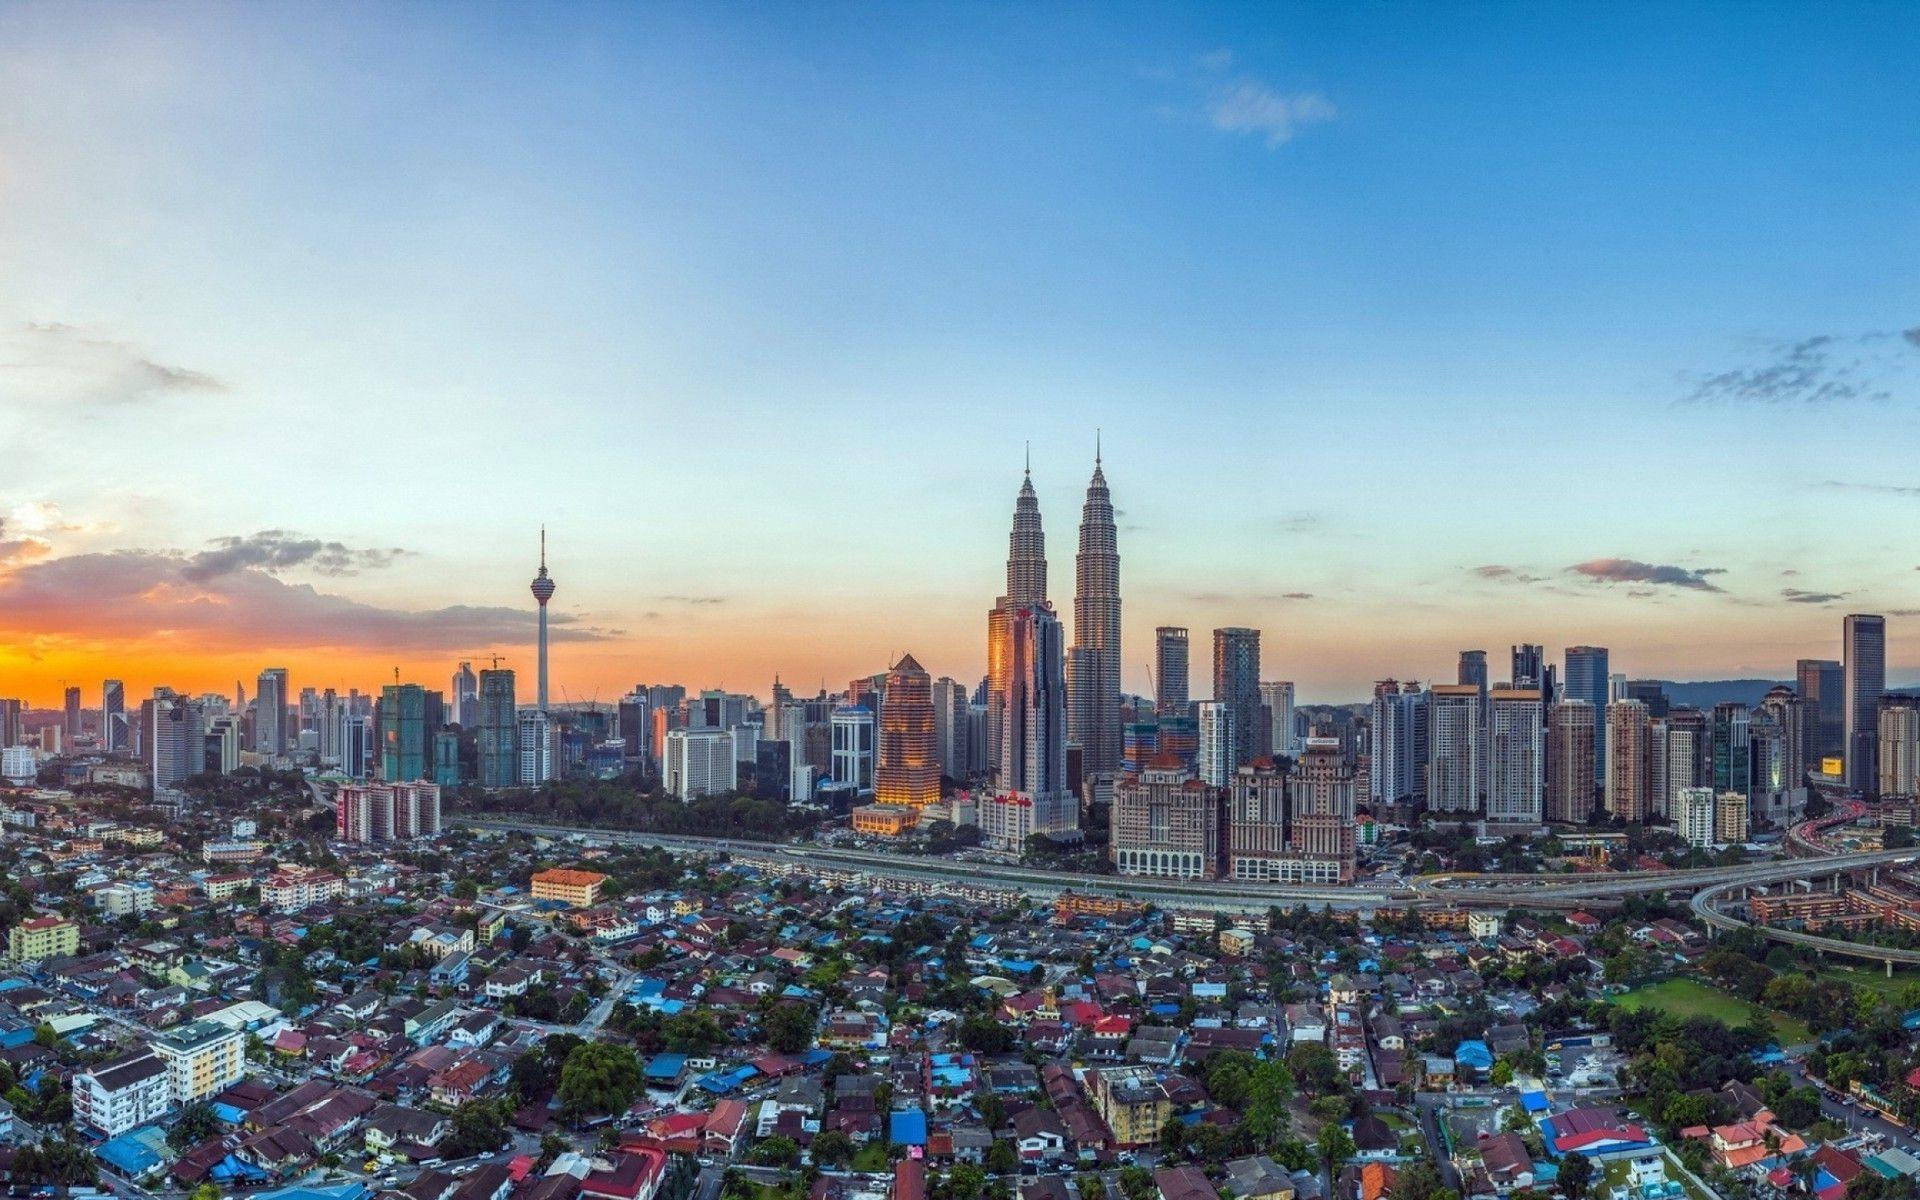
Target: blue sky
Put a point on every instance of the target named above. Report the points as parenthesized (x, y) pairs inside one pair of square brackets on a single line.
[(1406, 312)]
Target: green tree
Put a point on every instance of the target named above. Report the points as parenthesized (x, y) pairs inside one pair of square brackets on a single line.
[(1001, 1158), (790, 1028), (832, 1148), (777, 1151), (1335, 1145), (479, 1127), (599, 1079), (1576, 1174), (195, 1125), (1269, 1088)]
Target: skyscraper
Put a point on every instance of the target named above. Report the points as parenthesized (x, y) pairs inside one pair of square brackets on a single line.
[(1236, 682), (1166, 823), (1899, 766), (1822, 684), (1570, 738), (952, 725), (409, 715), (1215, 758), (1397, 743), (543, 589), (1629, 779), (1732, 748), (113, 716), (1093, 665), (70, 718), (1026, 587), (1689, 757), (1473, 670), (1454, 749), (270, 712), (466, 696), (1170, 671), (908, 773), (1587, 680), (1529, 663), (1864, 653), (1516, 752), (1277, 698), (495, 715), (1027, 697)]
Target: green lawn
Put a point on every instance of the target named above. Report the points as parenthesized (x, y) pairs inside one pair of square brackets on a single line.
[(1873, 978), (871, 1158), (1691, 998)]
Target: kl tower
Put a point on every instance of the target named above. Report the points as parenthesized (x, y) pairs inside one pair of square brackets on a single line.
[(543, 592)]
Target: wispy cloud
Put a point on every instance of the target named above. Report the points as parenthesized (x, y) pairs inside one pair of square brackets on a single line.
[(1812, 372), (1797, 596), (1502, 573), (695, 600), (1632, 570), (1240, 103), (1878, 489), (275, 550), (57, 366)]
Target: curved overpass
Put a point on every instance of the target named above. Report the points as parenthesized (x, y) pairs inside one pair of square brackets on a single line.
[(1550, 891), (1705, 905)]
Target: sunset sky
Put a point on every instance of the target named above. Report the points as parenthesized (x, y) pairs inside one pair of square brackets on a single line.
[(1407, 330)]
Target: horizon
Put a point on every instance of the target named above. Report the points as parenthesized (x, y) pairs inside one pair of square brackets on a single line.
[(1405, 334)]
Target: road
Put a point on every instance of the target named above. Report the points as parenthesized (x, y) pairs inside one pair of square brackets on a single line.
[(1854, 1117), (1541, 891)]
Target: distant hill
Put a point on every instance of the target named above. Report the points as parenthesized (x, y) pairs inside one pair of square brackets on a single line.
[(1706, 693)]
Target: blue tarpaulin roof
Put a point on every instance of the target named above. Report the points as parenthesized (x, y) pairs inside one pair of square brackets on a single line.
[(908, 1128)]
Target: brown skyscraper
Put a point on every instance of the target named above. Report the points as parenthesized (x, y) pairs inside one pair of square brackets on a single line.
[(1570, 734), (908, 772), (1629, 761)]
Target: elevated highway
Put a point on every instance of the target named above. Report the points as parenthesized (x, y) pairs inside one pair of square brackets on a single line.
[(1493, 891)]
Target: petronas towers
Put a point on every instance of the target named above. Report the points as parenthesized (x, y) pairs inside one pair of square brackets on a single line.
[(1093, 665), (1039, 695)]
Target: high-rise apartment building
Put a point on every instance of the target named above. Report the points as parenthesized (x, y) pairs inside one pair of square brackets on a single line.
[(1214, 758), (1730, 818), (494, 712), (1171, 671), (1236, 683), (1454, 750), (1864, 655), (701, 762), (378, 812), (408, 718), (1166, 824), (1570, 785), (1629, 782), (1516, 755), (535, 738), (1899, 737), (1397, 743), (1822, 684), (1693, 811), (1093, 665), (1277, 698), (1586, 679), (908, 773), (178, 741)]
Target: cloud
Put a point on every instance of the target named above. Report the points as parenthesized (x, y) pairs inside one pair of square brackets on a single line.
[(66, 367), (1305, 521), (20, 549), (1796, 596), (101, 596), (275, 550), (1246, 105), (1502, 573), (700, 600), (1878, 489), (1631, 570), (1246, 597), (1812, 372)]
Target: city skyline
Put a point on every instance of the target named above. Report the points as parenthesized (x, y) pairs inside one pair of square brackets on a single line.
[(1326, 304)]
